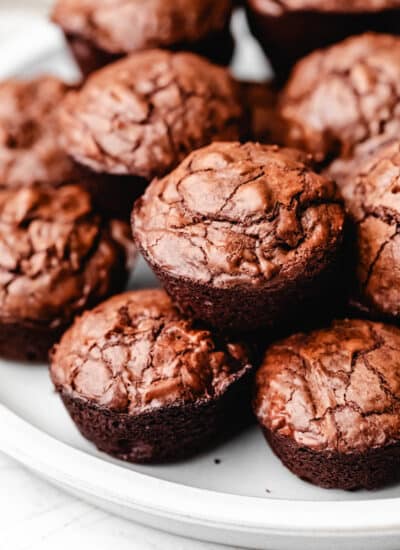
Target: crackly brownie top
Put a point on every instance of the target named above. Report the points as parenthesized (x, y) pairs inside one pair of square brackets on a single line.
[(343, 95), (145, 113), (279, 7), (123, 26), (239, 214), (370, 185), (335, 389), (135, 351), (30, 151), (56, 254)]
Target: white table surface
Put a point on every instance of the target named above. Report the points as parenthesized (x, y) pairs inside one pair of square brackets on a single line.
[(37, 516)]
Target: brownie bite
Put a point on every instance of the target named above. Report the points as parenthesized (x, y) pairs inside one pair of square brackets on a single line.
[(142, 115), (241, 235), (291, 29), (370, 185), (329, 404), (100, 31), (146, 385), (340, 97), (57, 257)]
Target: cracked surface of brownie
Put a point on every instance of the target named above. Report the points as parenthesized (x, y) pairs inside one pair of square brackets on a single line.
[(329, 403), (124, 26), (370, 185), (136, 359), (145, 113), (247, 218), (340, 97), (57, 257), (30, 151)]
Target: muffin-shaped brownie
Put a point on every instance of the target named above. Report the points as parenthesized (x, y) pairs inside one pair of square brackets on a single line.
[(145, 384), (241, 235), (329, 404), (142, 115), (370, 187), (342, 96), (100, 31), (30, 151), (57, 257), (291, 29)]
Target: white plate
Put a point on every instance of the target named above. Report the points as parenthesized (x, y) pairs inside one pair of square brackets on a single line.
[(247, 498)]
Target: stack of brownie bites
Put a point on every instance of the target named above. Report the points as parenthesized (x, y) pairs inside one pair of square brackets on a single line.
[(270, 213)]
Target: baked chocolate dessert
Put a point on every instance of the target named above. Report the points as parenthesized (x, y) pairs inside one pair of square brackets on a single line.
[(370, 185), (57, 257), (142, 115), (241, 235), (101, 31), (342, 96), (329, 404), (291, 29), (146, 385)]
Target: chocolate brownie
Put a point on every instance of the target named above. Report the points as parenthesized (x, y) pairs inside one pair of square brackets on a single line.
[(146, 385), (342, 96), (329, 404), (142, 115), (370, 185), (101, 31), (57, 257), (290, 29), (241, 235)]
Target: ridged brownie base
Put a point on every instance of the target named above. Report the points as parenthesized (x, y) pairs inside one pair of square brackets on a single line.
[(367, 470), (292, 35), (248, 309), (164, 434), (218, 47), (25, 342)]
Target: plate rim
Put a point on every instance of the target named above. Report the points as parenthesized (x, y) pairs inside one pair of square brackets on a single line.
[(80, 471)]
